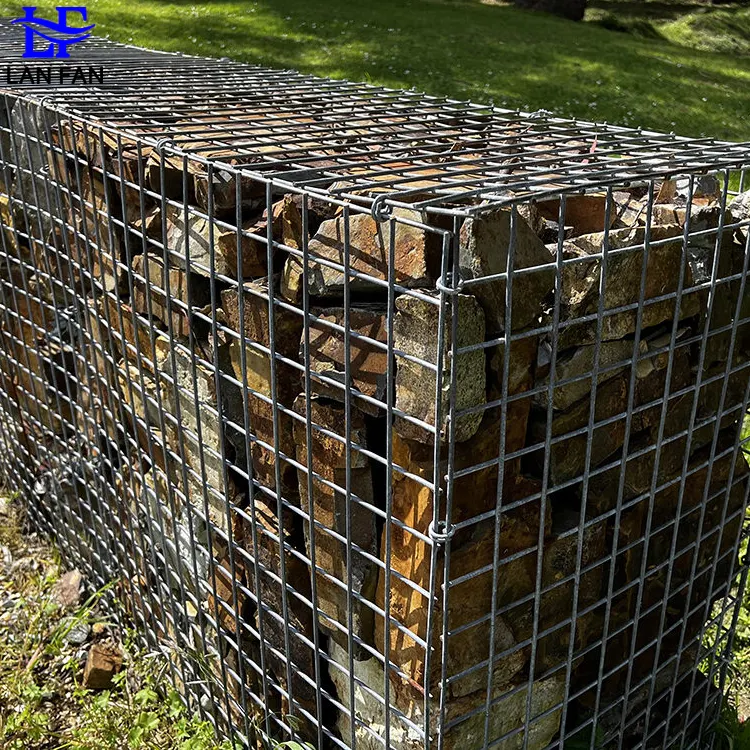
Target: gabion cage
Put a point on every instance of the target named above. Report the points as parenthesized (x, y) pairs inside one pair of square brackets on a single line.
[(399, 422)]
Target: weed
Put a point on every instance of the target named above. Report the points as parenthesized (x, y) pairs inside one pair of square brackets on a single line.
[(43, 705)]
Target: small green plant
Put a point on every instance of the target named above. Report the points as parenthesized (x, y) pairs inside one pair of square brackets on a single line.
[(730, 732), (43, 705), (147, 719)]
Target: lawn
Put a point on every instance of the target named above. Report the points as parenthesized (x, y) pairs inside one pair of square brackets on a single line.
[(468, 49), (44, 703)]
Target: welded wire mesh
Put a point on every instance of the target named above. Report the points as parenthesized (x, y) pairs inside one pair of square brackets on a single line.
[(400, 422)]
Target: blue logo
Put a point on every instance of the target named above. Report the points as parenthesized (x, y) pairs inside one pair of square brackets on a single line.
[(60, 35)]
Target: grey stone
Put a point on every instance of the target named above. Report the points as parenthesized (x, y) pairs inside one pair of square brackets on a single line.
[(705, 186), (567, 456), (416, 333), (580, 363), (331, 509), (193, 385), (77, 631), (28, 155), (67, 591), (739, 208), (581, 283), (484, 245), (507, 713), (369, 710), (169, 294), (629, 210), (216, 248)]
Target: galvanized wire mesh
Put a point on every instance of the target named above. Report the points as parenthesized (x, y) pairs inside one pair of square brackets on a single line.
[(400, 422)]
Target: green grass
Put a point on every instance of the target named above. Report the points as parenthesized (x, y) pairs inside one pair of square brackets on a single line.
[(43, 705), (726, 31), (721, 28), (464, 49)]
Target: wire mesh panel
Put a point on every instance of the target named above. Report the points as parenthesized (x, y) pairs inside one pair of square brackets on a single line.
[(400, 423)]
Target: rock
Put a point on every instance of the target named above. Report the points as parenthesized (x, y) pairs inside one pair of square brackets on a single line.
[(668, 505), (331, 509), (484, 245), (274, 585), (464, 718), (139, 398), (471, 600), (189, 547), (629, 210), (417, 257), (508, 713), (12, 249), (368, 362), (474, 493), (193, 385), (27, 149), (415, 333), (706, 188), (567, 454), (176, 509), (318, 210), (223, 190), (255, 326), (702, 251), (668, 214), (67, 591), (287, 221), (231, 604), (704, 221), (167, 294), (257, 375), (100, 261), (581, 283), (126, 164), (259, 429), (579, 363), (164, 173), (147, 227), (739, 208), (76, 631), (674, 680), (675, 519), (118, 332), (547, 230), (368, 710), (115, 157), (584, 214), (218, 251), (521, 367), (104, 661)]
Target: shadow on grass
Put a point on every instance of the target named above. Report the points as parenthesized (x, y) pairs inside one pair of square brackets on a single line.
[(463, 49), (653, 11)]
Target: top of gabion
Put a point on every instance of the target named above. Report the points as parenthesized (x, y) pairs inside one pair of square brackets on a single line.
[(353, 140)]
